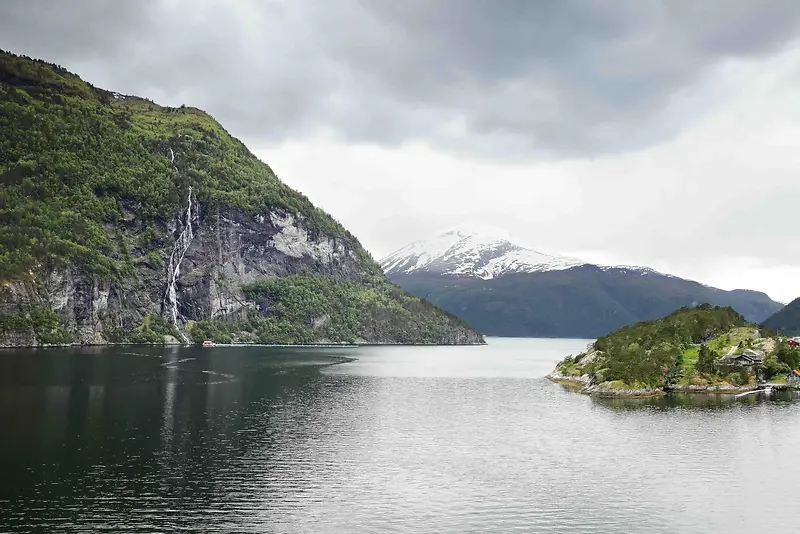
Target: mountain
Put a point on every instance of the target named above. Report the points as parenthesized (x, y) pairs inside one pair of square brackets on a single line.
[(122, 221), (504, 288), (786, 320), (484, 253)]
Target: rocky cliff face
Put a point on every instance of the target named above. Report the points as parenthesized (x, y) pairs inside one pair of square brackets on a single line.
[(231, 249), (202, 279), (123, 221)]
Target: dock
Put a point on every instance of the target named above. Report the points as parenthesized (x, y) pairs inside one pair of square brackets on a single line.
[(767, 389)]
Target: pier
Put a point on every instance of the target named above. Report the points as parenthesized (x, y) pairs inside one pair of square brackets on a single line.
[(768, 388)]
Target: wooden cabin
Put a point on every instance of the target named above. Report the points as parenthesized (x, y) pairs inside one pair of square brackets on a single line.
[(745, 358)]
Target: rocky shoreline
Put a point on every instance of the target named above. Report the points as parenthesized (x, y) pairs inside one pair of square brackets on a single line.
[(172, 341), (582, 384)]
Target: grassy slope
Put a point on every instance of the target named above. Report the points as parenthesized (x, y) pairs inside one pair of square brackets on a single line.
[(83, 171), (720, 345)]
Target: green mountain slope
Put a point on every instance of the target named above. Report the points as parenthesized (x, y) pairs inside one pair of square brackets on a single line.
[(582, 302), (786, 320), (125, 221)]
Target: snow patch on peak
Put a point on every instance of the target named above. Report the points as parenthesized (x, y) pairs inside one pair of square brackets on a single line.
[(487, 252), (470, 250), (643, 271)]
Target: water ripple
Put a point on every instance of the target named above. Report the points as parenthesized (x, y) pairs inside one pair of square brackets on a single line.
[(280, 446)]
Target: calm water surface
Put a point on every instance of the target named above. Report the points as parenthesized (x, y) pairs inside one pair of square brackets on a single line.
[(386, 439)]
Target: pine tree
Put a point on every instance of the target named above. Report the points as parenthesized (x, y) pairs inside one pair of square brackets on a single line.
[(706, 359)]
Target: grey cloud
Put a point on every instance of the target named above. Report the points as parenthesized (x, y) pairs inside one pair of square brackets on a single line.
[(500, 79), (87, 29)]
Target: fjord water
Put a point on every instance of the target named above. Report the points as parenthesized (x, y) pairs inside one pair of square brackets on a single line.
[(375, 439)]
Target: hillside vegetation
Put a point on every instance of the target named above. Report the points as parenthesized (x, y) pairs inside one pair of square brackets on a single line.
[(307, 308), (680, 351), (125, 221), (76, 160)]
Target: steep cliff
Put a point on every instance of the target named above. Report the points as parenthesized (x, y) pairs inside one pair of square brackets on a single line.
[(125, 221)]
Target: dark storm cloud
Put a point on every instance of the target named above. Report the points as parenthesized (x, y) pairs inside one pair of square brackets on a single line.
[(492, 77)]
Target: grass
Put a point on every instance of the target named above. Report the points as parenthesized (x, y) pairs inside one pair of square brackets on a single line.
[(150, 118), (720, 344), (690, 357), (724, 342), (622, 385)]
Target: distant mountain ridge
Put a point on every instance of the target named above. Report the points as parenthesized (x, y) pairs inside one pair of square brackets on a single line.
[(504, 288), (786, 319)]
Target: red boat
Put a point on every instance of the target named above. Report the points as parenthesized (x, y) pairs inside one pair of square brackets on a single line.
[(208, 343)]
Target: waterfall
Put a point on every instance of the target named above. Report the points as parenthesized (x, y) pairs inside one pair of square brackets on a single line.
[(170, 302)]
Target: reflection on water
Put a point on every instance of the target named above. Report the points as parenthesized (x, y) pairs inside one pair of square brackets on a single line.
[(711, 401), (375, 439)]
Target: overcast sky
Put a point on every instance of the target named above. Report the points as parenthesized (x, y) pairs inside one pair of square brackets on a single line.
[(664, 134)]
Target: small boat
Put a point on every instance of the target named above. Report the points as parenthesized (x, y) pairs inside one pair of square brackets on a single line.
[(208, 343)]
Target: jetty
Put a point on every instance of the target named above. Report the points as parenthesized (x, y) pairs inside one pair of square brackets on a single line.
[(767, 389)]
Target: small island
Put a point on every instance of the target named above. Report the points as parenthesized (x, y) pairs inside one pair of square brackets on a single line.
[(704, 349)]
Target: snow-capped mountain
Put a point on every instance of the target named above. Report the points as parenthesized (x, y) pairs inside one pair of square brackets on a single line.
[(463, 271), (481, 252)]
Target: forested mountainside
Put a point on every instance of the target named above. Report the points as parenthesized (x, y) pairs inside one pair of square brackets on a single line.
[(786, 320), (580, 302), (125, 221), (505, 288)]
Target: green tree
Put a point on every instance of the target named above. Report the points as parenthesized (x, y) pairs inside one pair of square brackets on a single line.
[(788, 355), (706, 360)]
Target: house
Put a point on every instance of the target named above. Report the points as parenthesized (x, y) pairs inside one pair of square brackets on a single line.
[(745, 358), (794, 342)]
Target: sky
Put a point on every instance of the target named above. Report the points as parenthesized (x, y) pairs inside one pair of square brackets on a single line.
[(639, 132)]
